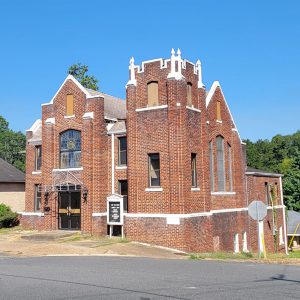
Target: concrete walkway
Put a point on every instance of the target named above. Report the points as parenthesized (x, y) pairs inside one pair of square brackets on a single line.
[(59, 243)]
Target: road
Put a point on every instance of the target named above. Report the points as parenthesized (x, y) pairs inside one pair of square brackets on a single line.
[(144, 279)]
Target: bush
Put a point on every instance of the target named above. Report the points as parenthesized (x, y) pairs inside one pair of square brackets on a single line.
[(8, 218)]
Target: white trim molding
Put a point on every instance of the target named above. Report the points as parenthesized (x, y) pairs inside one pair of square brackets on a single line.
[(121, 167), (69, 117), (152, 107), (222, 193), (88, 115), (36, 172), (68, 169), (193, 109), (35, 126), (50, 121), (38, 214), (195, 189), (99, 214), (153, 189)]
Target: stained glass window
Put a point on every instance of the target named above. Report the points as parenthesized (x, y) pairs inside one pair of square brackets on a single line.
[(70, 149)]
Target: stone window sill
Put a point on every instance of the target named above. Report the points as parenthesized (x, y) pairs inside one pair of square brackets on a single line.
[(195, 189), (153, 189), (222, 193), (121, 167), (151, 108), (36, 172), (69, 117)]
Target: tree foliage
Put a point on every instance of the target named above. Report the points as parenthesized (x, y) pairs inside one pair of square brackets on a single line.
[(12, 144), (79, 72), (280, 155)]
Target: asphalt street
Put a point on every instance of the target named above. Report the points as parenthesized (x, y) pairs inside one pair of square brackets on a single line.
[(144, 279)]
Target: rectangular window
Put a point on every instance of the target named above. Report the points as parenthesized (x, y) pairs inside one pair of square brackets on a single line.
[(194, 169), (38, 158), (123, 190), (268, 202), (220, 164), (189, 94), (211, 166), (152, 93), (37, 197), (154, 170), (70, 105), (230, 168), (219, 111), (122, 151)]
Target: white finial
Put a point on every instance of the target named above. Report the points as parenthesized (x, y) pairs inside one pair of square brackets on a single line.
[(199, 69), (178, 52), (173, 73), (132, 80)]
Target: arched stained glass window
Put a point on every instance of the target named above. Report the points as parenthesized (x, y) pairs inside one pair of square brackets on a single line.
[(70, 149)]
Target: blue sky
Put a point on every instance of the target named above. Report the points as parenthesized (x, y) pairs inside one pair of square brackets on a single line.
[(251, 47)]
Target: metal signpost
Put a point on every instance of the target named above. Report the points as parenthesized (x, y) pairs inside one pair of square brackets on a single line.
[(257, 210)]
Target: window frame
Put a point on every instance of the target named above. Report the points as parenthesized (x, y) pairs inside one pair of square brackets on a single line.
[(221, 176), (120, 163), (189, 94), (150, 158), (38, 158), (76, 151), (211, 166), (37, 205), (125, 196), (151, 102), (229, 160), (194, 170)]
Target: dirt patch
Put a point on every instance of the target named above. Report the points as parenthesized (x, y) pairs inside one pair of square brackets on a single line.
[(33, 243)]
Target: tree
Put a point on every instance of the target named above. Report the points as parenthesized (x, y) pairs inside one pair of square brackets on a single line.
[(280, 155), (79, 72), (11, 144)]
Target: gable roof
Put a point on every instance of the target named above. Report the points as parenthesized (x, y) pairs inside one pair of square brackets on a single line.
[(9, 173), (114, 108), (210, 94)]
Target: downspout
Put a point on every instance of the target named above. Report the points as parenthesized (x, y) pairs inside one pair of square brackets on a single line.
[(284, 217)]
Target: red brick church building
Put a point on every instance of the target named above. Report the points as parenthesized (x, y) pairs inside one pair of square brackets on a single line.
[(166, 167)]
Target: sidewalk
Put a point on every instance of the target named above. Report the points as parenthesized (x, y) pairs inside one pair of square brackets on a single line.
[(59, 243)]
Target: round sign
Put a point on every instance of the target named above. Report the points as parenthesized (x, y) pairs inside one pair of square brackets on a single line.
[(257, 210)]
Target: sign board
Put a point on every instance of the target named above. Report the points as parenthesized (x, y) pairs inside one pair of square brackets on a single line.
[(115, 210), (257, 210)]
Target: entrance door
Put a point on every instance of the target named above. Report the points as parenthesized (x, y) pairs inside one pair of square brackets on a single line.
[(69, 210)]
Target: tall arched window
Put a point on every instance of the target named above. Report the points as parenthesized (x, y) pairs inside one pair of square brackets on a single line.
[(189, 94), (220, 163), (70, 149)]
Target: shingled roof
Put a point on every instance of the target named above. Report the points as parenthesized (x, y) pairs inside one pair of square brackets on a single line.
[(293, 220), (258, 172), (114, 108), (9, 173)]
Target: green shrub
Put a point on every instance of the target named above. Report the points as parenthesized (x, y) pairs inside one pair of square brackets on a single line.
[(8, 218)]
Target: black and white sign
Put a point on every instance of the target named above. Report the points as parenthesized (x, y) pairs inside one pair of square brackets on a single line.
[(115, 210)]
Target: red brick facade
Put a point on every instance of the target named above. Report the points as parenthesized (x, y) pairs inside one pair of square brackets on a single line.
[(176, 214)]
